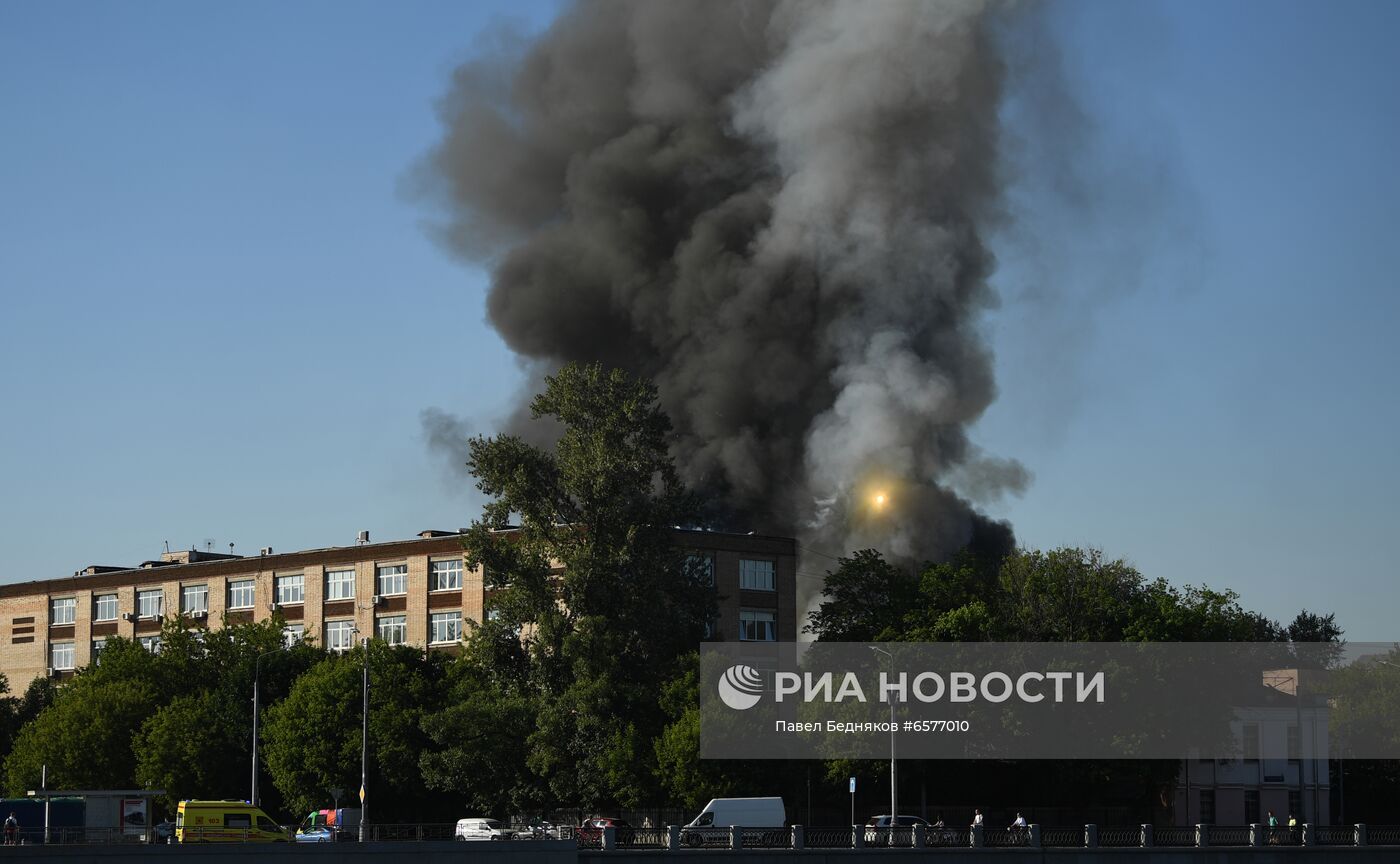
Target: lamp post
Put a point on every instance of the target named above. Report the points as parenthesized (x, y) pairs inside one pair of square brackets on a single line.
[(364, 745), (257, 673), (894, 776)]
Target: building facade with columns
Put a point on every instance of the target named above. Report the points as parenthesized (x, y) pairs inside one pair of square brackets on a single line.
[(416, 592)]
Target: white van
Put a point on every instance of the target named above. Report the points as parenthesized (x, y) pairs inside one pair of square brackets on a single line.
[(477, 828), (724, 813)]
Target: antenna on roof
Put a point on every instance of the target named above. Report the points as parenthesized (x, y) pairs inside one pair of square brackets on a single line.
[(230, 548), (167, 545)]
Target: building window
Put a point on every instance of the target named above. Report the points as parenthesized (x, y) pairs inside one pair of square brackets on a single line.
[(1294, 745), (97, 646), (63, 610), (755, 575), (446, 627), (1205, 811), (194, 599), (340, 635), (1251, 806), (758, 625), (61, 655), (391, 579), (1251, 742), (241, 594), (340, 584), (292, 634), (104, 607), (446, 575), (150, 643), (291, 589), (701, 567), (392, 629), (150, 603)]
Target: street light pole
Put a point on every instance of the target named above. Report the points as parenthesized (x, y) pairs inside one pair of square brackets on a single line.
[(364, 745), (257, 673), (894, 768)]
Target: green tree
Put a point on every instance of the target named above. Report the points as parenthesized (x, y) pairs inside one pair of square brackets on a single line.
[(311, 739), (592, 603), (867, 598), (84, 737)]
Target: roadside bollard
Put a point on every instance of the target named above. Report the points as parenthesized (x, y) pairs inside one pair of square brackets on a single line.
[(799, 837), (1091, 836), (1360, 834), (609, 838), (736, 837), (1145, 837), (920, 835), (1309, 838), (1202, 835), (1035, 835), (673, 837), (857, 837), (1256, 834), (977, 837)]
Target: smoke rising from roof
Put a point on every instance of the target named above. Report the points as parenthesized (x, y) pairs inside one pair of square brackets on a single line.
[(778, 212)]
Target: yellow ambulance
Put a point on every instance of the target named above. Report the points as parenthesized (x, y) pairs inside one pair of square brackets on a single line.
[(225, 822)]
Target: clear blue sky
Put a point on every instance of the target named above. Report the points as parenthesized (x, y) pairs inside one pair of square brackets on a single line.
[(221, 318)]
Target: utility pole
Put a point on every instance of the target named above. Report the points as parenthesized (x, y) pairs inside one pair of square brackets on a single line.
[(364, 746), (257, 673), (894, 768)]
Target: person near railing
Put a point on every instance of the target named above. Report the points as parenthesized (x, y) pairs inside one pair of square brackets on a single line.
[(11, 830), (1273, 829), (1293, 837), (1019, 832)]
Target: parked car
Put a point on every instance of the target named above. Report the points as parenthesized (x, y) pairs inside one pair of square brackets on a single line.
[(330, 826), (878, 830), (541, 831), (591, 831), (478, 828)]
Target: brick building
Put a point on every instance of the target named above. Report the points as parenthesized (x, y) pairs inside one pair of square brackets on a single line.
[(415, 592)]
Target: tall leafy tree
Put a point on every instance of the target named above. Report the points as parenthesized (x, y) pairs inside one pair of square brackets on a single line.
[(311, 739), (592, 603)]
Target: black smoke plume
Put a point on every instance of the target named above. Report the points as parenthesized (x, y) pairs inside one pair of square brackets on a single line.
[(778, 212)]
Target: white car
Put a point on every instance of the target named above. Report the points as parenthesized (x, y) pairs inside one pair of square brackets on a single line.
[(476, 828)]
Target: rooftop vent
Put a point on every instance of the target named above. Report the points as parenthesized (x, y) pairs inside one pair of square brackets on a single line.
[(363, 537)]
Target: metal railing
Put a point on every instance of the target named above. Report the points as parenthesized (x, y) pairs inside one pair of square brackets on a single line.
[(1114, 837), (1069, 838), (1229, 835), (817, 837)]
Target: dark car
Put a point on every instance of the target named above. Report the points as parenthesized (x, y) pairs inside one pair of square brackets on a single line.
[(590, 833), (163, 832)]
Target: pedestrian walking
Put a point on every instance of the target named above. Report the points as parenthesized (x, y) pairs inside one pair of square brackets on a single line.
[(1273, 828), (976, 818), (11, 830)]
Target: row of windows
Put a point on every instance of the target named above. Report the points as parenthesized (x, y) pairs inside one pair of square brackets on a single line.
[(289, 589), (443, 628), (389, 579), (755, 574)]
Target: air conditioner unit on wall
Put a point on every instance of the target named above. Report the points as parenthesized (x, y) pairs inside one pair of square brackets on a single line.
[(48, 673), (376, 600), (127, 616), (200, 614)]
